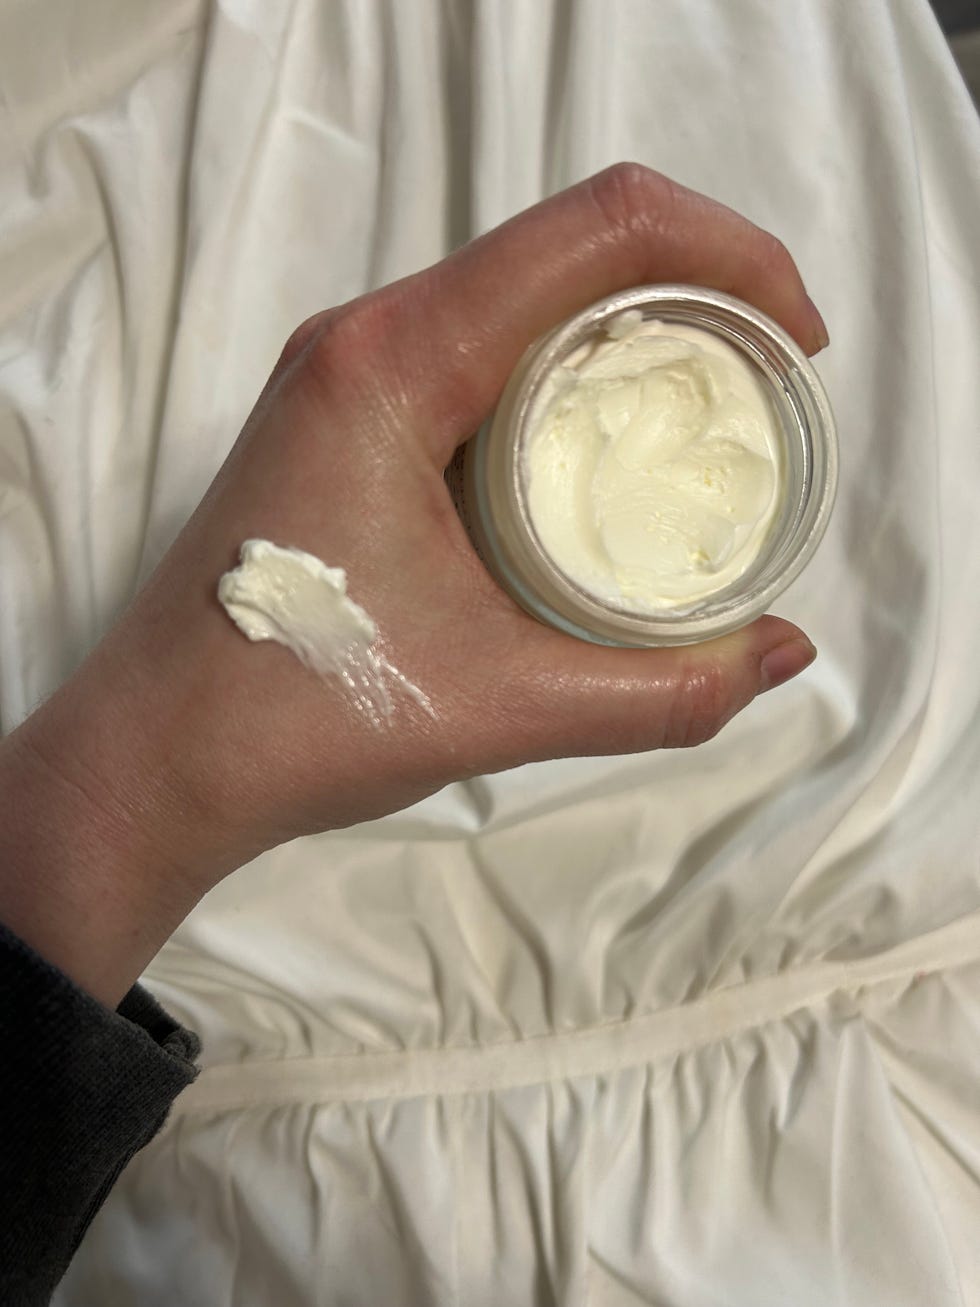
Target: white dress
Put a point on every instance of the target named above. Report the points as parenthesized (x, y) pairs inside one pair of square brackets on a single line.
[(692, 1029)]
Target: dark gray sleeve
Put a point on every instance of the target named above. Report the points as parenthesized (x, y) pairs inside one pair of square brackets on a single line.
[(82, 1088)]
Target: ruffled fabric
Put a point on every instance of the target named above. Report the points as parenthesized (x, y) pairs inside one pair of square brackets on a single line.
[(691, 1030)]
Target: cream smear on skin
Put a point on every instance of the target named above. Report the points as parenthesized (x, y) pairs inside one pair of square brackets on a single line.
[(291, 597), (653, 468)]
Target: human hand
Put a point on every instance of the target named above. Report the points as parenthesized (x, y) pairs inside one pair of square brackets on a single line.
[(196, 749)]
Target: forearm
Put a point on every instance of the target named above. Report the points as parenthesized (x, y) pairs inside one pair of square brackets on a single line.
[(96, 871), (66, 888), (98, 864)]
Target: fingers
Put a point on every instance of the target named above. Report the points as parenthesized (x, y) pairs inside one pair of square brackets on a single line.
[(442, 343), (580, 699)]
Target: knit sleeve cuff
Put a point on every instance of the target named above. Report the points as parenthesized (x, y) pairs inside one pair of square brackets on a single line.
[(82, 1088)]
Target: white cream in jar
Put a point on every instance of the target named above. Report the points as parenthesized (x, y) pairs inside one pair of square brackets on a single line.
[(652, 465)]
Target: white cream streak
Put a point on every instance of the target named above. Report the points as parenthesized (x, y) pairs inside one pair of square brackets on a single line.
[(290, 596)]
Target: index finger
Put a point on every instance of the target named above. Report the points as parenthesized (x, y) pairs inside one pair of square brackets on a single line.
[(450, 335)]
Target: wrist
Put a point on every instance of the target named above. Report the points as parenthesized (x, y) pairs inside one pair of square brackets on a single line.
[(101, 855)]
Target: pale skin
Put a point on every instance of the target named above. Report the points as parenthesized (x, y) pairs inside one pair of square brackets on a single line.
[(179, 750)]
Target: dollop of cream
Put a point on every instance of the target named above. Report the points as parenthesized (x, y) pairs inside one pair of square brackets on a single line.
[(652, 466), (290, 596)]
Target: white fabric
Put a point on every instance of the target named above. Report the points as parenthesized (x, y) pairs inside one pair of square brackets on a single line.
[(694, 1030)]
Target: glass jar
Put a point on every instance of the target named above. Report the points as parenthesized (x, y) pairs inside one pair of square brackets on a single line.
[(488, 478)]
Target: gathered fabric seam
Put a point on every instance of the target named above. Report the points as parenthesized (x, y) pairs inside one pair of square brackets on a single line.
[(593, 1051)]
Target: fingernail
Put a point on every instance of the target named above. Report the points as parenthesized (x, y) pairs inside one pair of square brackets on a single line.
[(784, 662), (819, 326)]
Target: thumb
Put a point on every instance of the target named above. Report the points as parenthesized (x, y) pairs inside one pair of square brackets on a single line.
[(589, 699)]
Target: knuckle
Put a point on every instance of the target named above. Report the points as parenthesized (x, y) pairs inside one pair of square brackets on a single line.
[(703, 703), (772, 254), (301, 336), (631, 197), (344, 342)]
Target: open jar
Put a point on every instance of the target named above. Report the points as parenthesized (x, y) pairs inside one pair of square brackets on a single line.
[(492, 475)]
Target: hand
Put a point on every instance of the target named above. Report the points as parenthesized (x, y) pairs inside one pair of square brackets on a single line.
[(180, 750)]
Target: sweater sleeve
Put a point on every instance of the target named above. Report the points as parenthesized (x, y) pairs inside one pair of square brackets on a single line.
[(82, 1088)]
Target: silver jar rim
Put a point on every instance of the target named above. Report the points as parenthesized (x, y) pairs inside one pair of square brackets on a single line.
[(495, 476)]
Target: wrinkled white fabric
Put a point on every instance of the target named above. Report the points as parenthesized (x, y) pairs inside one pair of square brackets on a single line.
[(693, 1030)]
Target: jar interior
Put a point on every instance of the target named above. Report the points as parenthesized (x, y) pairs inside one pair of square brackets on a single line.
[(584, 612)]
